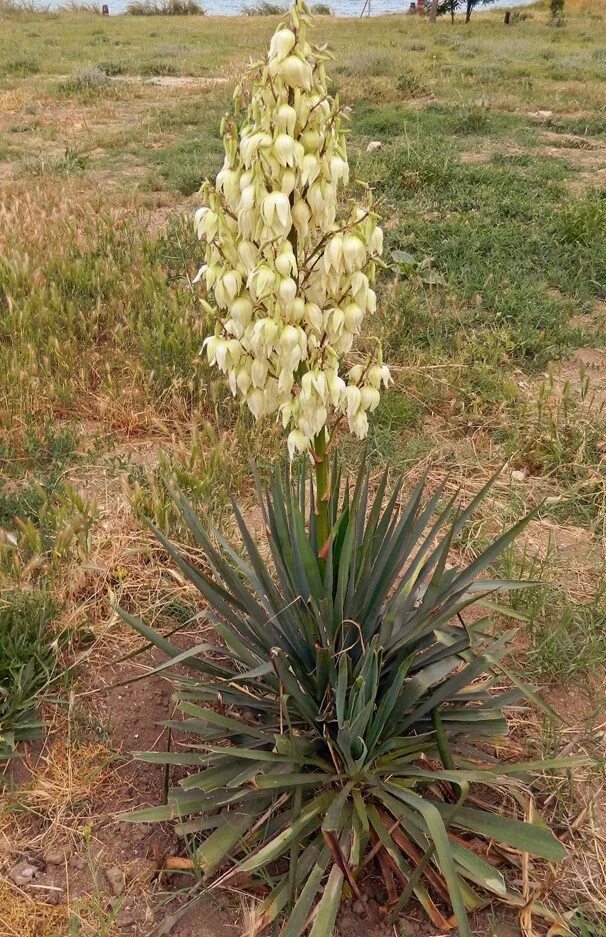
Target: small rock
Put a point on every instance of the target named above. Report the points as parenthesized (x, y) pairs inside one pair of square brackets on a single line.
[(140, 871), (518, 476), (374, 145), (116, 879), (56, 855), (76, 862), (126, 917), (23, 873)]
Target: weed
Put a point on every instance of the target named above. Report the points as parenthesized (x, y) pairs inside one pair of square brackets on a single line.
[(28, 661), (474, 119), (164, 8), (369, 64), (567, 638), (81, 6), (20, 65), (411, 84), (111, 68), (264, 8), (85, 79), (157, 68), (204, 469)]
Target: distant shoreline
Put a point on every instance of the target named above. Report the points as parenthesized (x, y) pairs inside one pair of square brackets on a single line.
[(342, 9)]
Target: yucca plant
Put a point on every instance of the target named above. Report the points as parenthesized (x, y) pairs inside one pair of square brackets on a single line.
[(347, 716)]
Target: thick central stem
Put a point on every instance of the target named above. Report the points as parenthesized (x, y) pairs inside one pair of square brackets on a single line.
[(321, 468)]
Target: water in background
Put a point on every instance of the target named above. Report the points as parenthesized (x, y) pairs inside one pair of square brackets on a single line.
[(339, 7)]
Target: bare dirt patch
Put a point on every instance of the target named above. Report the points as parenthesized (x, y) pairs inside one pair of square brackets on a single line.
[(589, 363)]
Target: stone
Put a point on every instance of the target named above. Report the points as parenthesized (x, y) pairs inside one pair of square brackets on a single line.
[(76, 862), (127, 917), (23, 874), (374, 145), (518, 476), (55, 855), (116, 879)]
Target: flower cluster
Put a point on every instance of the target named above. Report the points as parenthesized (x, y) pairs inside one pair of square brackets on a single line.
[(291, 282)]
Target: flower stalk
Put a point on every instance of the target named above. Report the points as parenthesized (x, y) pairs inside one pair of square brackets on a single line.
[(287, 277)]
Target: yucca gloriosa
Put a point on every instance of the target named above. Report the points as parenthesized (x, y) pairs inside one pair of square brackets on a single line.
[(347, 716)]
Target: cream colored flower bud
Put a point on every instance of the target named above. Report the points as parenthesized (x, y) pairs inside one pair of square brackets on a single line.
[(284, 148), (258, 372), (276, 212), (376, 241), (281, 44), (295, 73), (290, 348), (354, 253), (334, 321), (285, 262), (373, 376), (358, 424), (359, 288), (243, 380), (286, 119), (210, 344), (261, 282), (287, 292), (263, 336), (228, 287), (256, 402), (210, 224), (245, 180), (333, 255), (297, 442), (371, 301), (297, 310), (336, 388), (339, 170), (250, 146), (289, 181), (317, 198), (369, 397), (353, 399), (300, 216), (353, 318), (386, 377), (286, 380), (310, 169), (228, 182), (199, 225), (310, 140), (248, 254), (313, 316), (241, 311)]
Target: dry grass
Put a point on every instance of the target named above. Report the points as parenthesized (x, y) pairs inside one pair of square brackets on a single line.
[(21, 915)]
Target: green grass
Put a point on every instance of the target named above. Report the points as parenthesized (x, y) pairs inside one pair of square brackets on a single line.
[(28, 663)]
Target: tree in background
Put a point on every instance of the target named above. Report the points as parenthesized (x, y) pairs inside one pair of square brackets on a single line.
[(556, 9), (449, 7), (470, 6)]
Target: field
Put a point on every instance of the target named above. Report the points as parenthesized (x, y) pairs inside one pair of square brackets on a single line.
[(491, 174)]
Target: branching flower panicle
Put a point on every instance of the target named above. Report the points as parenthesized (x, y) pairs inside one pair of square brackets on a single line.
[(291, 281)]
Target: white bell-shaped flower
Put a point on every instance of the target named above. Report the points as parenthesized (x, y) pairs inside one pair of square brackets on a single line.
[(291, 281)]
